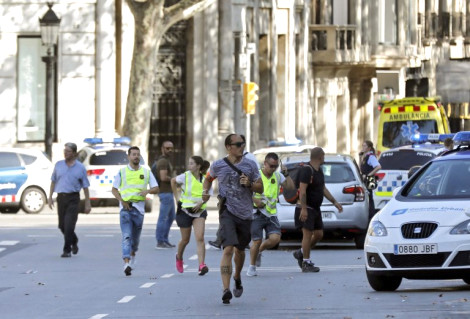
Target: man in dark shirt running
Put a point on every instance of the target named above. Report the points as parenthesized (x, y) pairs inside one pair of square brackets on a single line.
[(308, 215)]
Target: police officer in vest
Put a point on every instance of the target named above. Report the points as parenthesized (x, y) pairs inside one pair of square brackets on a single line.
[(264, 211), (369, 166), (131, 185)]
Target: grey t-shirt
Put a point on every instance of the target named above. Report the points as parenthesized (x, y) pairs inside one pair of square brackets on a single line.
[(239, 199)]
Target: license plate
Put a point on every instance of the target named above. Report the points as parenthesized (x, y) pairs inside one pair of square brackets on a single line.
[(327, 215), (415, 249)]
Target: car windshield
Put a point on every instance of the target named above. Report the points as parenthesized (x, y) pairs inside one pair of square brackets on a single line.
[(441, 179), (111, 157), (398, 133), (404, 159)]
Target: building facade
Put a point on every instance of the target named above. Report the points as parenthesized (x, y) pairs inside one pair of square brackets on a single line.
[(321, 66)]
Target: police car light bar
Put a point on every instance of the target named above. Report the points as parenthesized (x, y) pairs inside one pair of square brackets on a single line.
[(124, 140), (462, 138), (433, 138)]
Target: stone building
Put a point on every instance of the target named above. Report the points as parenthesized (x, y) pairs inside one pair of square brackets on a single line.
[(321, 67)]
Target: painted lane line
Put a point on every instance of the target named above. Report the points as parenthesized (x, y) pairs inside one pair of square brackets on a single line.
[(167, 276), (148, 285), (99, 236), (99, 316), (126, 299), (2, 249), (8, 242), (193, 257)]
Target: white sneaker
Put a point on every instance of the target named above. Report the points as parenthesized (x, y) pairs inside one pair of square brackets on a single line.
[(251, 271)]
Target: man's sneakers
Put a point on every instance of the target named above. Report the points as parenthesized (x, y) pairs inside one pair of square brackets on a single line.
[(127, 269), (258, 260), (299, 256), (203, 269), (251, 271), (215, 244), (308, 266), (75, 248), (164, 245), (66, 255), (227, 295), (238, 290), (179, 265)]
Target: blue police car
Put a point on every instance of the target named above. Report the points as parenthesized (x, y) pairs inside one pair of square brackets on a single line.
[(25, 179), (424, 231)]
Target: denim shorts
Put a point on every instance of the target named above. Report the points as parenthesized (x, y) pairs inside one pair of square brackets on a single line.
[(262, 222)]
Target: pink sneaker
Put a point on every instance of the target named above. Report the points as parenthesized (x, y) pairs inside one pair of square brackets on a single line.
[(179, 265), (203, 269)]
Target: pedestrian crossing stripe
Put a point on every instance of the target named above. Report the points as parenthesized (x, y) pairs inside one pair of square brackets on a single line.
[(8, 242)]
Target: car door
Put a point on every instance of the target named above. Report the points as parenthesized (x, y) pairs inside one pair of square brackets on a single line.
[(12, 176)]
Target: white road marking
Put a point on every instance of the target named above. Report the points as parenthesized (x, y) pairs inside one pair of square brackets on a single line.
[(99, 235), (148, 285), (99, 316), (167, 276), (2, 249), (126, 299), (8, 242), (193, 257)]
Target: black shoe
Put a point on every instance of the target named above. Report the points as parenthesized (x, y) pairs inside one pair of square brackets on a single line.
[(226, 296), (238, 290), (66, 255), (170, 245), (215, 244), (75, 249), (299, 256), (309, 267), (127, 270)]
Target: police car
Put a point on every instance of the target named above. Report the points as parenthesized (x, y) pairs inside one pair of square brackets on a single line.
[(102, 161), (397, 162), (25, 180), (424, 231)]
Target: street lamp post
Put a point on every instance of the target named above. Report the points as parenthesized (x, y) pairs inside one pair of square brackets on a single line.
[(49, 25)]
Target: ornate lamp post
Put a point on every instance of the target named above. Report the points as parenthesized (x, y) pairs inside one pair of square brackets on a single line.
[(49, 25)]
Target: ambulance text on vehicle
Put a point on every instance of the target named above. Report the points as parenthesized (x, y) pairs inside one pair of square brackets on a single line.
[(401, 119)]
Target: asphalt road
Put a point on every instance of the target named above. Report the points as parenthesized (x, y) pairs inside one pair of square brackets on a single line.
[(36, 283)]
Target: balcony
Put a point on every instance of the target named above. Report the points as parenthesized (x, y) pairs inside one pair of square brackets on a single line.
[(335, 44)]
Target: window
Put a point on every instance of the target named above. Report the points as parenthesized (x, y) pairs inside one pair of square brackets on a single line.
[(31, 97), (387, 19), (8, 159)]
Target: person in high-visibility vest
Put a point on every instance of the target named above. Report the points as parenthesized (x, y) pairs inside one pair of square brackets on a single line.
[(130, 187), (191, 210), (265, 212)]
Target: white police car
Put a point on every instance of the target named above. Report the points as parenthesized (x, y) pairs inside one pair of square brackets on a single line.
[(25, 180), (102, 161), (424, 231), (396, 163)]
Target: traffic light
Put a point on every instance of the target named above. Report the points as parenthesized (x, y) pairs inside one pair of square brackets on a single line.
[(250, 96)]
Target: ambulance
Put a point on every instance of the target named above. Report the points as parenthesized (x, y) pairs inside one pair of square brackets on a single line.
[(401, 119)]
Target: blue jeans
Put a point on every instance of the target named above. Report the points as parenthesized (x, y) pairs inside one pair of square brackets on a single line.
[(166, 217), (131, 227)]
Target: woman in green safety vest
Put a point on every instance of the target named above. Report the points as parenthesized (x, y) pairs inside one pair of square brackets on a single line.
[(191, 210)]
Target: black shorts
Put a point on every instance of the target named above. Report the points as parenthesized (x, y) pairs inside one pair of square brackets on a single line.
[(183, 220), (314, 220), (234, 231)]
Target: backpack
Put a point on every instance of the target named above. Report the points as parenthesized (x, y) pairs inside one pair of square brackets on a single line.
[(292, 195)]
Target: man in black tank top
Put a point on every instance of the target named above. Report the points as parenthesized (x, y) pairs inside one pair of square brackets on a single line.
[(308, 215)]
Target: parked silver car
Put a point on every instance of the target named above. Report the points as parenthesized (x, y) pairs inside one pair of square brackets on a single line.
[(343, 180)]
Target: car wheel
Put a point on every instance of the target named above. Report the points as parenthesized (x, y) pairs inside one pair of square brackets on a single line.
[(33, 200), (359, 240), (148, 206), (466, 280), (383, 283)]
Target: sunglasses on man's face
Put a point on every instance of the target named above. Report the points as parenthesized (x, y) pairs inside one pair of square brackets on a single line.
[(273, 166), (238, 144)]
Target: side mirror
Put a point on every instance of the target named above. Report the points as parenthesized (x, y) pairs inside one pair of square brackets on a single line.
[(413, 170)]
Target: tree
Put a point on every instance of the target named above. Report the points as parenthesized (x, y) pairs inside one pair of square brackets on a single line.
[(152, 19)]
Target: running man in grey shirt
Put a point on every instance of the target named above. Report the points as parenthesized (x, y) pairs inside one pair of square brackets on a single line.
[(238, 178)]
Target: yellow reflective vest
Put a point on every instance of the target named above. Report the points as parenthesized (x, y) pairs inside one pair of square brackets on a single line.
[(192, 192), (133, 182), (271, 192)]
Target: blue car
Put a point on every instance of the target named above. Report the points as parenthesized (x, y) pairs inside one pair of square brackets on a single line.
[(25, 179)]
